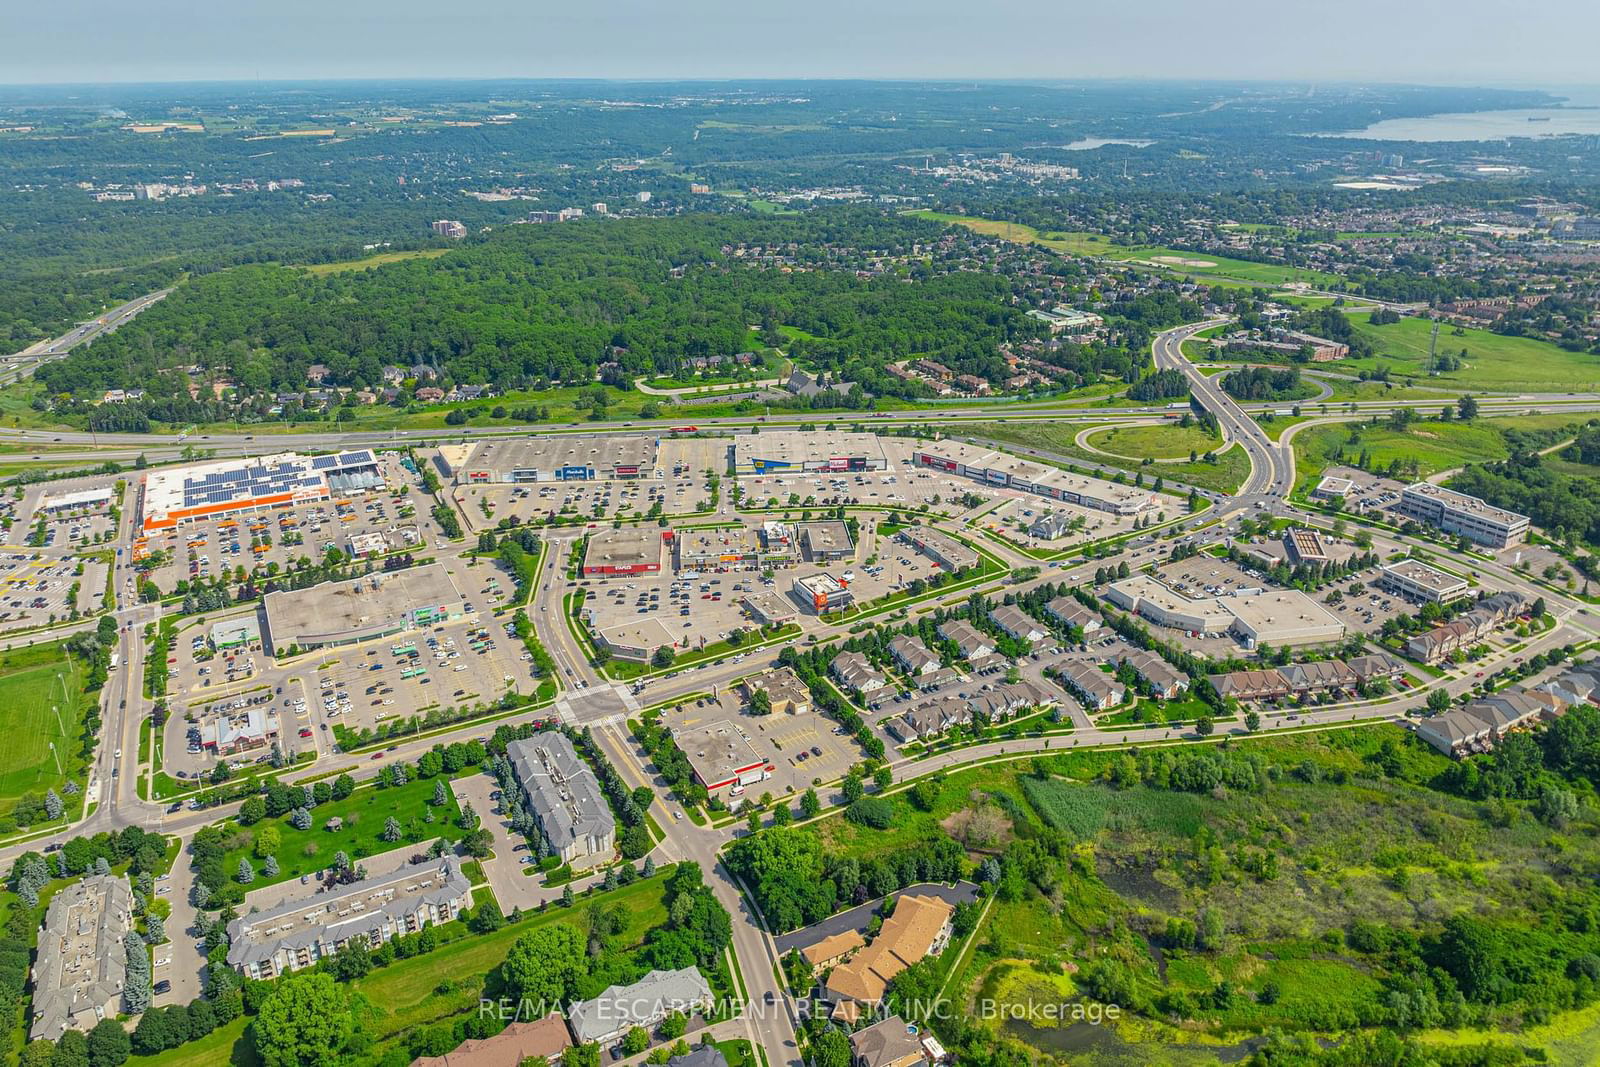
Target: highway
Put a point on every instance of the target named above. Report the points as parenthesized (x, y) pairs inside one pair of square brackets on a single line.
[(588, 698), (14, 368)]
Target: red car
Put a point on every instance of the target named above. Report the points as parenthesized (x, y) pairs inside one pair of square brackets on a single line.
[(377, 755), (305, 732)]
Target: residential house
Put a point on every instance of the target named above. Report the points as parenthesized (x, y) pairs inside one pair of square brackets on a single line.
[(1068, 611), (886, 1043), (832, 950), (645, 1003), (1095, 689), (854, 671), (1014, 621), (939, 678), (1318, 677), (1004, 701), (968, 638), (929, 718), (912, 655), (1166, 682), (1479, 726), (542, 1040), (920, 927), (1250, 685)]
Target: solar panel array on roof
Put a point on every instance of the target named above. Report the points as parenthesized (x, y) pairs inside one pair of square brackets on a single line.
[(322, 463), (351, 459), (257, 479)]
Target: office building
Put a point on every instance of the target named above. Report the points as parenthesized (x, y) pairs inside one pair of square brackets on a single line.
[(1459, 514), (1420, 583)]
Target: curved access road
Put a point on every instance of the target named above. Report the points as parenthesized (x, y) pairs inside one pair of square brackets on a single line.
[(1271, 465)]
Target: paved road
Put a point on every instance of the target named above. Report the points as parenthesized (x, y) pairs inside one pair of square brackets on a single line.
[(591, 700), (16, 367)]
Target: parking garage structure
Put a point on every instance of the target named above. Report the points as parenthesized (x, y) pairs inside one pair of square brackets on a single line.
[(362, 609)]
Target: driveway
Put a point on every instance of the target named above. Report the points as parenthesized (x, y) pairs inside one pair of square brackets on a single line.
[(188, 955), (503, 870)]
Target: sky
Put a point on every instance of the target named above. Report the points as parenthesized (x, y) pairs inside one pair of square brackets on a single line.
[(1446, 42)]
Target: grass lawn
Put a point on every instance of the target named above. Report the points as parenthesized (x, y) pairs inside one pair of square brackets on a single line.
[(226, 1044), (364, 813), (1493, 361), (1167, 441), (1435, 446), (1225, 475), (368, 262), (1195, 264), (449, 981), (32, 681), (440, 985)]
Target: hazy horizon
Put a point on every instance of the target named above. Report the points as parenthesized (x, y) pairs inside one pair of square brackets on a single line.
[(1429, 42)]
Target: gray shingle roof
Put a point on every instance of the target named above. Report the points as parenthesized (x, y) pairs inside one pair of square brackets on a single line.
[(257, 937), (82, 964), (563, 793), (644, 1003)]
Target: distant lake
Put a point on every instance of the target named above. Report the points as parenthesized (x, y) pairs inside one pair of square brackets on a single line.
[(1084, 144), (1482, 125)]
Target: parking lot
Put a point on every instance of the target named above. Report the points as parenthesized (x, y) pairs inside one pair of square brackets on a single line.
[(908, 489), (1015, 518), (486, 505), (454, 665), (706, 603), (801, 750), (73, 513), (274, 540), (38, 588)]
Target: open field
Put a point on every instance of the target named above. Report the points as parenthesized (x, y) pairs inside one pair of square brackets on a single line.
[(1348, 831), (1167, 441), (1493, 361), (32, 682), (1194, 264), (368, 262), (1434, 446), (1225, 475)]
